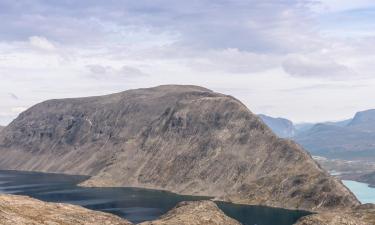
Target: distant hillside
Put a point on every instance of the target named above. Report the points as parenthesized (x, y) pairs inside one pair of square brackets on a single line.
[(185, 139), (350, 139), (1, 128), (281, 127), (368, 178), (364, 121), (301, 127)]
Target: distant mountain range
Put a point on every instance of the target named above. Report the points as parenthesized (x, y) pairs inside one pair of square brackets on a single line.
[(348, 139)]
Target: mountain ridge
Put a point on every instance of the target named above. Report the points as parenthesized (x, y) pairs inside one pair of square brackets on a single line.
[(185, 139)]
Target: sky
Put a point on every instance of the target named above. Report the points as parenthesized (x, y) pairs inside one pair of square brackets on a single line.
[(306, 60)]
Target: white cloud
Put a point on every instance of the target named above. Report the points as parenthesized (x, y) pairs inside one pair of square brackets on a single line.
[(343, 5), (41, 43), (18, 109), (315, 66), (254, 50)]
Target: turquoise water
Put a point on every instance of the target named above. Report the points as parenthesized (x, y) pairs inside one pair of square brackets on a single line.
[(364, 193), (134, 204)]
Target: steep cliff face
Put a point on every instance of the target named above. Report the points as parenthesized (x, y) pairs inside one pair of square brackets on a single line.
[(185, 139)]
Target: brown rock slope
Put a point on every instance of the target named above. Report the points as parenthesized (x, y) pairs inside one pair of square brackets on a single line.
[(194, 213), (184, 139), (21, 210), (362, 215)]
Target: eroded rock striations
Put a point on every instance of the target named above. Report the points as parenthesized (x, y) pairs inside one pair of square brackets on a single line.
[(184, 139)]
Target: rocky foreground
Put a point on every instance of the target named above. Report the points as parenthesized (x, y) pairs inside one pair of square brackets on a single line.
[(194, 213), (21, 210), (184, 139), (362, 215)]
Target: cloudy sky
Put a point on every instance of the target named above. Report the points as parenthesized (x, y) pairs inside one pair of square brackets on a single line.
[(306, 60)]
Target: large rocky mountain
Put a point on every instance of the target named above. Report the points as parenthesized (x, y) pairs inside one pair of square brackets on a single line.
[(282, 127), (353, 139), (184, 139)]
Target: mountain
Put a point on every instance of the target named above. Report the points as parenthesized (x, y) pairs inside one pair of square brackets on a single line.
[(351, 139), (184, 139), (341, 123), (281, 127), (301, 127), (364, 121), (21, 210), (285, 128), (1, 128)]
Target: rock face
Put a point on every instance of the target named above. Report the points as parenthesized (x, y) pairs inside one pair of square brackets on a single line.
[(20, 210), (362, 215), (194, 213), (1, 128), (281, 127), (184, 139)]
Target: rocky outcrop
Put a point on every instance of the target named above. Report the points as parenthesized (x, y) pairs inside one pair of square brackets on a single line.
[(194, 213), (362, 215), (21, 210), (184, 139), (330, 219)]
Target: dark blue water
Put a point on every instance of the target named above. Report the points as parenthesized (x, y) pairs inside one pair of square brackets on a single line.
[(134, 204)]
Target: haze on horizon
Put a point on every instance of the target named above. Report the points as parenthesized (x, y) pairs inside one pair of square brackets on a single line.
[(305, 60)]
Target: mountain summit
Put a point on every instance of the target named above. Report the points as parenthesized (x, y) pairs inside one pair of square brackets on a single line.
[(185, 139)]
